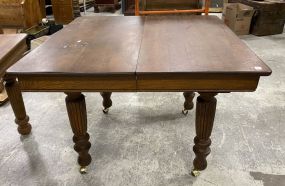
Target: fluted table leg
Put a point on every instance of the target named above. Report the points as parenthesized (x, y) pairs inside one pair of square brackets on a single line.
[(107, 102), (17, 103), (188, 104), (76, 108), (205, 114)]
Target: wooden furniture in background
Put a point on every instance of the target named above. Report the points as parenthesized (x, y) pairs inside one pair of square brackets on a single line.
[(78, 6), (269, 17), (138, 11), (114, 4), (42, 8), (169, 4), (19, 13), (185, 57), (128, 6), (12, 48), (63, 11)]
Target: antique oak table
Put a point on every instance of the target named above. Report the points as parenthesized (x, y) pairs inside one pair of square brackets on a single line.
[(12, 48), (151, 54)]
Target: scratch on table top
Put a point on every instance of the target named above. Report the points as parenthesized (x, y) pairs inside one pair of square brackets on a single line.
[(77, 44)]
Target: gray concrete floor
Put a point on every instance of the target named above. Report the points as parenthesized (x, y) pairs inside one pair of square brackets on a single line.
[(146, 141)]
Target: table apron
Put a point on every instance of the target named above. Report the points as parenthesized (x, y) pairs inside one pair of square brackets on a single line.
[(206, 83), (141, 84), (75, 84)]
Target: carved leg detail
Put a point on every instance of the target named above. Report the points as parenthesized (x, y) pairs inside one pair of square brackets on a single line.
[(76, 108), (17, 103), (107, 102), (188, 104), (205, 114)]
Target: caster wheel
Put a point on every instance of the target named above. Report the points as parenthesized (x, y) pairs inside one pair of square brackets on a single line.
[(105, 110), (195, 173), (83, 170), (185, 112)]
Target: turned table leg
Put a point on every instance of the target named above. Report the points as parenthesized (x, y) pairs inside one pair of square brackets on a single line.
[(76, 108), (107, 102), (188, 104), (205, 114), (17, 103)]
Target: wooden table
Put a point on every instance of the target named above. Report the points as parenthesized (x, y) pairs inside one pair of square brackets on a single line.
[(160, 53), (12, 48)]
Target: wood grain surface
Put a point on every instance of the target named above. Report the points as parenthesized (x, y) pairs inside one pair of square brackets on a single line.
[(8, 42), (153, 53), (167, 44), (20, 13), (89, 45), (194, 44)]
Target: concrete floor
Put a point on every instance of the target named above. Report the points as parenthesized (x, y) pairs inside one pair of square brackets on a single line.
[(146, 141)]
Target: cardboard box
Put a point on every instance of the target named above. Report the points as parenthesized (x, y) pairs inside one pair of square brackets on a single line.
[(238, 17)]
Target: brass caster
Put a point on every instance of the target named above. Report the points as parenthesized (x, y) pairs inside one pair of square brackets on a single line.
[(83, 170), (105, 110), (195, 173), (185, 112)]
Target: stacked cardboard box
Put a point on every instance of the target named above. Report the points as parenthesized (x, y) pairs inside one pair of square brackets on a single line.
[(269, 17), (238, 17)]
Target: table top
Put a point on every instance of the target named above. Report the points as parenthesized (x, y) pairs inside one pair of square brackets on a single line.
[(196, 44), (89, 45), (8, 43), (142, 45)]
